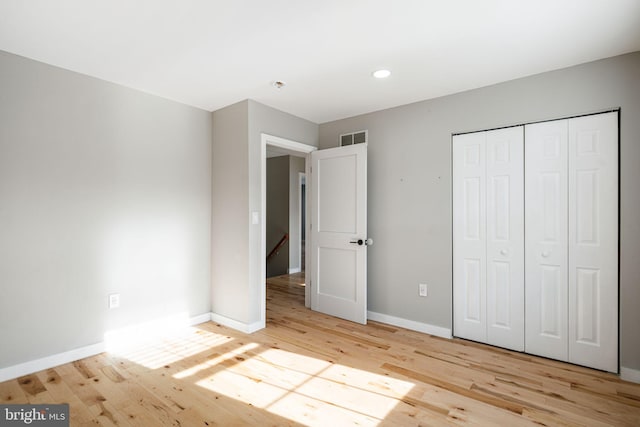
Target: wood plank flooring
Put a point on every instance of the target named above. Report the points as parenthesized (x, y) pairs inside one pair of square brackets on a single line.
[(306, 368)]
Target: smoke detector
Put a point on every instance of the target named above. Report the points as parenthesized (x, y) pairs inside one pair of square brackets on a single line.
[(381, 74)]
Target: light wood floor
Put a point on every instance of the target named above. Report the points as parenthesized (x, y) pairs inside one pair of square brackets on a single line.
[(309, 369)]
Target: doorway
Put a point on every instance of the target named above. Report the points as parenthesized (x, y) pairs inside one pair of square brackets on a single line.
[(273, 145)]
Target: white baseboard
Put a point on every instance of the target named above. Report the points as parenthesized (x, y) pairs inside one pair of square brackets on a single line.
[(628, 374), (293, 270), (426, 328), (54, 360), (255, 326), (205, 317), (247, 328), (47, 362)]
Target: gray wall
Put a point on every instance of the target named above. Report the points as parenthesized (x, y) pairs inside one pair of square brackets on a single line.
[(102, 189), (230, 213), (237, 175), (410, 181), (277, 214)]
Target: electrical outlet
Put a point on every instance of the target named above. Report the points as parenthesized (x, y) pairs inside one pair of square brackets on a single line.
[(422, 290), (114, 300)]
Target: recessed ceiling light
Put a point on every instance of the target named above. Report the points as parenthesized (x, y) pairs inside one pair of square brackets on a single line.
[(278, 84), (381, 74)]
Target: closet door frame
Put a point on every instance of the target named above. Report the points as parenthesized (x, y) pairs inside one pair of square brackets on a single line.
[(571, 288)]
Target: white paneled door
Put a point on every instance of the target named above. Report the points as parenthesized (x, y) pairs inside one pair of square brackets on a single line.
[(593, 241), (488, 237), (339, 232), (505, 238), (469, 236), (571, 231), (535, 239), (546, 225)]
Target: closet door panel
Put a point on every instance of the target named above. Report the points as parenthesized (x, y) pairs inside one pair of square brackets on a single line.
[(469, 236), (593, 241), (546, 255), (505, 238)]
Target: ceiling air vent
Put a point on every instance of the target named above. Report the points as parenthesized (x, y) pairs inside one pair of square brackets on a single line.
[(359, 137)]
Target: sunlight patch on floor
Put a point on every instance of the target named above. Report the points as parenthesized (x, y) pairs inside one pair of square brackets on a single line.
[(154, 351), (234, 354), (308, 390), (303, 389)]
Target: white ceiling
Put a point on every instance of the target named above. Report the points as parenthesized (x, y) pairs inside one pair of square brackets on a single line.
[(212, 53)]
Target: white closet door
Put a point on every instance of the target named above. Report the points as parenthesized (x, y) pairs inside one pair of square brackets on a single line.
[(469, 236), (593, 241), (546, 239), (505, 238)]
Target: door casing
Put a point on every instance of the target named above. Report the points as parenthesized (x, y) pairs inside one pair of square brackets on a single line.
[(295, 148)]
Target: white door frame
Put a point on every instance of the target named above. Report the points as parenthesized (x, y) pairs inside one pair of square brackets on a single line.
[(296, 148), (302, 180)]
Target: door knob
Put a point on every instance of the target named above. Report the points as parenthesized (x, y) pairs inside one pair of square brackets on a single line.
[(504, 252), (545, 254), (361, 242)]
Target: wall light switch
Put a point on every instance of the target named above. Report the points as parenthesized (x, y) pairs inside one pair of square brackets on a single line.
[(423, 290), (255, 218), (114, 300)]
